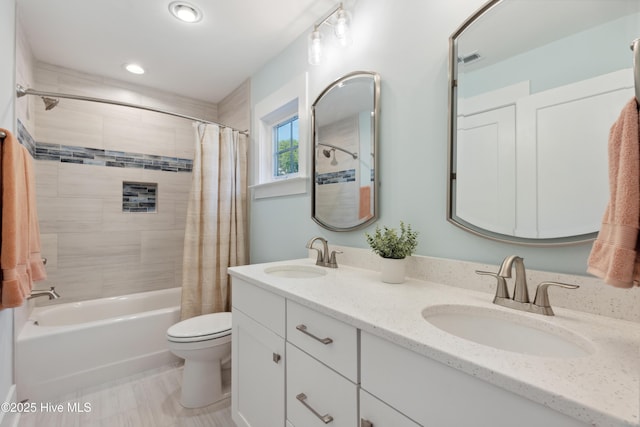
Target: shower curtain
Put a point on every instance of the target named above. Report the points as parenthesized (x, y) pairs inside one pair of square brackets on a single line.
[(215, 234)]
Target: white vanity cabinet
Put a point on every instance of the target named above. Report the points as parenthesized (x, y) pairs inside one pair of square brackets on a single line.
[(434, 394), (258, 357)]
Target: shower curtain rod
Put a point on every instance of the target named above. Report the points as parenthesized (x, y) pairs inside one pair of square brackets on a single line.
[(21, 91)]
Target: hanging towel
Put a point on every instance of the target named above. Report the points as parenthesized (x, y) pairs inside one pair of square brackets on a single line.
[(615, 257), (20, 258)]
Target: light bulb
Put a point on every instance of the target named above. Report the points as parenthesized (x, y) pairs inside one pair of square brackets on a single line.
[(134, 69), (315, 48), (185, 12), (341, 27)]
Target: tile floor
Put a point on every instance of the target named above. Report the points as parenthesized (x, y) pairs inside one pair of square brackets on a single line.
[(147, 399)]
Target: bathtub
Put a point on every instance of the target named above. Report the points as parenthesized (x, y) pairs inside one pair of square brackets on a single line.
[(66, 347)]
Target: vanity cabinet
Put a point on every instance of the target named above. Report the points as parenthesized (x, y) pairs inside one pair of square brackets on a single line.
[(258, 357), (294, 366)]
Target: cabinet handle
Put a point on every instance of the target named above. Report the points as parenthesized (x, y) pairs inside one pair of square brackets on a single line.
[(365, 423), (276, 358), (303, 329), (324, 418)]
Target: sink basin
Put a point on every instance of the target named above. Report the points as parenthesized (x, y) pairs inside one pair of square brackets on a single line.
[(508, 331), (296, 271)]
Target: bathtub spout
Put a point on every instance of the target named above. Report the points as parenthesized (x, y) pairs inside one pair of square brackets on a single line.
[(51, 293)]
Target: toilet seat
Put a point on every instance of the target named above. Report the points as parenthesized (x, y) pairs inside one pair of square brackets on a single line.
[(201, 328)]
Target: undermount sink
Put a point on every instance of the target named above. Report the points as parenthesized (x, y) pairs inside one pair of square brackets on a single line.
[(508, 331), (296, 271)]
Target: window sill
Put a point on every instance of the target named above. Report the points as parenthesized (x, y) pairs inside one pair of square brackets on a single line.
[(283, 187)]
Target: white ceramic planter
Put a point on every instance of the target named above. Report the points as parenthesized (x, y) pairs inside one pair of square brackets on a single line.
[(393, 270)]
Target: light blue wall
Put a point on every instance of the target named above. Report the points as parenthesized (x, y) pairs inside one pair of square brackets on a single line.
[(7, 120), (578, 57), (407, 44)]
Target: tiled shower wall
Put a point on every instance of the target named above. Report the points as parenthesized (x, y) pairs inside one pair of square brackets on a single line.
[(94, 249)]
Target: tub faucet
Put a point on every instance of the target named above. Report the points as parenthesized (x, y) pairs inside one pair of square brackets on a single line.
[(51, 293), (520, 299), (324, 259)]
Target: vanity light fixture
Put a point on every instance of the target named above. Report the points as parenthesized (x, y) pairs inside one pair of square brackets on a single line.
[(315, 47), (340, 19), (185, 12), (134, 68)]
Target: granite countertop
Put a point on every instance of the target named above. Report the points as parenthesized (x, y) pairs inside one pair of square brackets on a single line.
[(602, 388)]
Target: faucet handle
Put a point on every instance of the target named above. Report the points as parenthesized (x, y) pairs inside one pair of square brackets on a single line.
[(501, 289), (542, 295), (332, 261)]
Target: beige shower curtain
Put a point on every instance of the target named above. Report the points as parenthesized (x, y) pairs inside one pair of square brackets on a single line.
[(215, 234)]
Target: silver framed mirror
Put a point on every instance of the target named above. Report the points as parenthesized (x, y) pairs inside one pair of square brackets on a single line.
[(535, 86), (344, 123)]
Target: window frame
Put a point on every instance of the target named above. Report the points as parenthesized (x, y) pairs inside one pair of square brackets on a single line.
[(278, 107)]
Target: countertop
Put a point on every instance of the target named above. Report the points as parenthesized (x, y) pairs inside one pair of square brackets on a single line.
[(602, 388)]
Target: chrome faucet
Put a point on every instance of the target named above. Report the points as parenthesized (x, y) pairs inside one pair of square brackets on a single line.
[(51, 293), (520, 300), (324, 259)]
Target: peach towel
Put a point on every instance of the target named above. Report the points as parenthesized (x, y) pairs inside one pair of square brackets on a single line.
[(20, 257), (365, 203), (614, 256)]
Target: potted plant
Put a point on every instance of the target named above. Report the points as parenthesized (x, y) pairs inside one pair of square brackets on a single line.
[(393, 248)]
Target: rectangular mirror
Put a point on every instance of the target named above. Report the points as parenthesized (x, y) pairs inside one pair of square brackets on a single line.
[(535, 86), (344, 122)]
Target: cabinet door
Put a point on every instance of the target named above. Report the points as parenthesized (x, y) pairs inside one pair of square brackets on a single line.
[(374, 413), (257, 374)]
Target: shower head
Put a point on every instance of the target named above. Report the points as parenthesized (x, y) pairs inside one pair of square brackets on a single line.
[(327, 153), (49, 103)]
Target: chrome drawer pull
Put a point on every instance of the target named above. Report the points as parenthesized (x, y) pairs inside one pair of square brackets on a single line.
[(303, 329), (365, 423), (276, 357), (324, 418)]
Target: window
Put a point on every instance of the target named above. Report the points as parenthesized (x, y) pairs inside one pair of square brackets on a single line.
[(285, 147), (281, 128)]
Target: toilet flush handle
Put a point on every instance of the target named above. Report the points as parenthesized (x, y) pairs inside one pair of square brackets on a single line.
[(276, 358)]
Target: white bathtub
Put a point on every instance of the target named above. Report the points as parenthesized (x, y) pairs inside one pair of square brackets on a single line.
[(65, 347)]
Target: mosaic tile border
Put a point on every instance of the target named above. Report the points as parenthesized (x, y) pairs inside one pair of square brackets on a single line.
[(99, 157), (338, 177), (25, 138)]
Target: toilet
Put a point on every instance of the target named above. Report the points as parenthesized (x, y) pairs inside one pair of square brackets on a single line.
[(204, 342)]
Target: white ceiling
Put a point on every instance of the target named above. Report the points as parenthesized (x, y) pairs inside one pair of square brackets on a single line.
[(206, 60), (516, 26)]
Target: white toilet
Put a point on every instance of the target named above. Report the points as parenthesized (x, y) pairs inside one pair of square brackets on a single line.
[(204, 342)]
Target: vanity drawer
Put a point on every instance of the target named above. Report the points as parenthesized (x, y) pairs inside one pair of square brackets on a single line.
[(263, 306), (374, 413), (311, 386), (331, 341)]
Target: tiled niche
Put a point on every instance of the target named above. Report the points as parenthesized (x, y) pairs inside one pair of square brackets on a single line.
[(139, 197)]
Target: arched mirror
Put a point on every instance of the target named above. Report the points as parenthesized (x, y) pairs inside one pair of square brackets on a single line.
[(344, 122), (535, 86)]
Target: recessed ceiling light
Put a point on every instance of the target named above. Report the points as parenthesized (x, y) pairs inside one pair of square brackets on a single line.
[(134, 68), (185, 12)]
